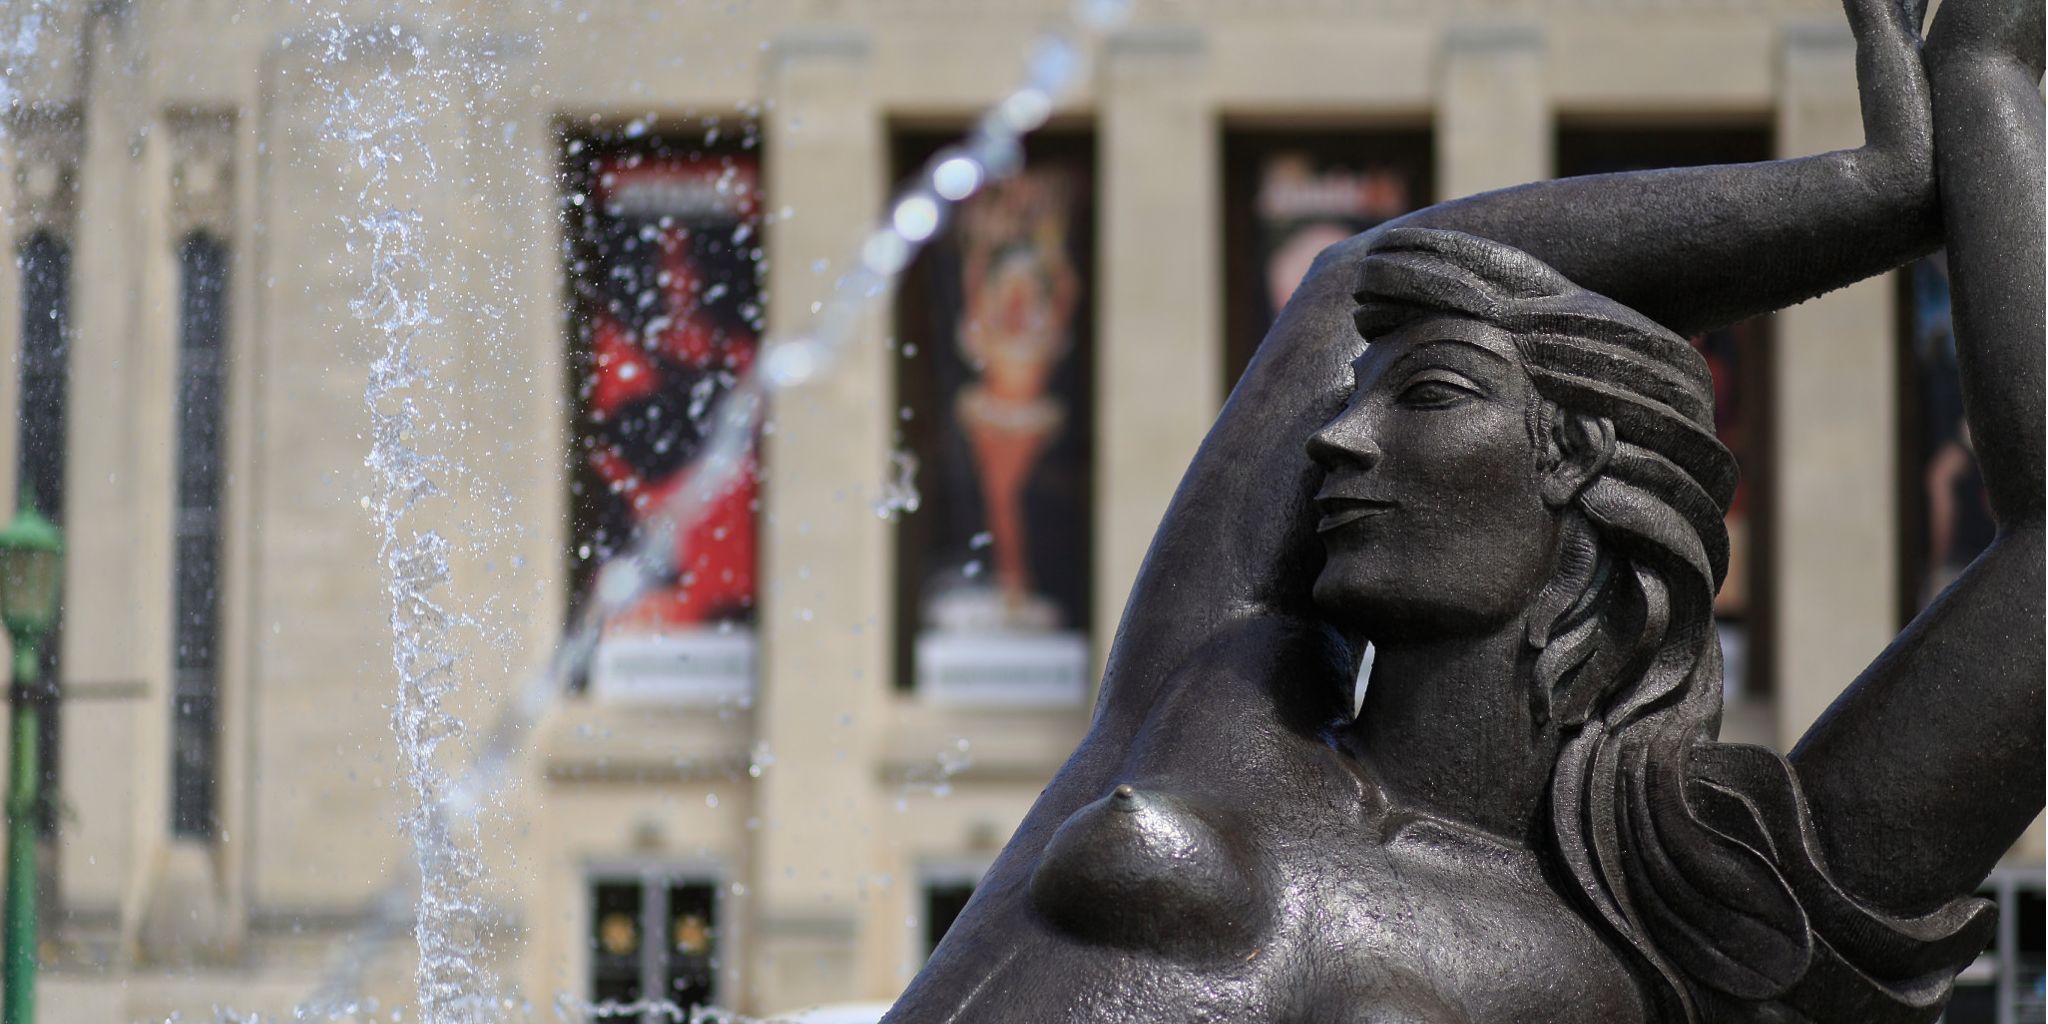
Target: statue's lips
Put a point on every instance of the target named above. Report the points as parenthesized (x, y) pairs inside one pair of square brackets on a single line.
[(1340, 512)]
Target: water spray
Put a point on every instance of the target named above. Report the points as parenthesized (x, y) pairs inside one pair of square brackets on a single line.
[(415, 564)]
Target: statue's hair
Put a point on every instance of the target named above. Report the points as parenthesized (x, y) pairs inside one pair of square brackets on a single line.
[(1623, 642)]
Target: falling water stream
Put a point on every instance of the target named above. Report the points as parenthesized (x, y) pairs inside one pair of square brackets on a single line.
[(388, 135)]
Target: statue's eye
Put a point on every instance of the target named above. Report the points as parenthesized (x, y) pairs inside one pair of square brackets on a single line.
[(1435, 391)]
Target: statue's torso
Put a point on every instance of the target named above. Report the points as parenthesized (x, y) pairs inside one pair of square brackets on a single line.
[(1249, 871)]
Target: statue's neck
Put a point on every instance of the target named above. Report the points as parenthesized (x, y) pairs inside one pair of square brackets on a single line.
[(1449, 731)]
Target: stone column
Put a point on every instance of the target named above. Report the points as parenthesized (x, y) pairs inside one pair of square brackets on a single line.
[(320, 742), (520, 157), (15, 227), (824, 617), (1159, 335), (1832, 367), (122, 429), (240, 615), (1493, 119)]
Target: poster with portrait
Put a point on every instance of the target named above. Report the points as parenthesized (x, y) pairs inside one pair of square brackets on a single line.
[(995, 376), (1948, 512), (1307, 204), (1293, 194), (665, 274)]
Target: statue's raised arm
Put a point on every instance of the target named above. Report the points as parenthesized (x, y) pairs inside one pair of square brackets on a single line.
[(1930, 766)]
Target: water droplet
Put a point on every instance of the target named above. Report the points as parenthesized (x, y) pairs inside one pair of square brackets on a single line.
[(885, 253), (916, 217), (1053, 61), (899, 489), (956, 177), (789, 363), (1025, 110), (1098, 15)]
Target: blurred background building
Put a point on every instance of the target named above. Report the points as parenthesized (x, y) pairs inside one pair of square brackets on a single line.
[(782, 776)]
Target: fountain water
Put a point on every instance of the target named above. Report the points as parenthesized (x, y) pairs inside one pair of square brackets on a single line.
[(384, 127), (436, 899), (384, 124)]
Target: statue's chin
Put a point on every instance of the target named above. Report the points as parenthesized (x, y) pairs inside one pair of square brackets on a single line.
[(1383, 612)]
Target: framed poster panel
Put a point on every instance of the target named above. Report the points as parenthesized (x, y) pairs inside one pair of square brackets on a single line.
[(1738, 357), (995, 377), (1944, 511), (1289, 194), (665, 284)]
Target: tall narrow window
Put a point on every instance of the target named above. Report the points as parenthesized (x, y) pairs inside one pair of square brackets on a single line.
[(39, 461), (195, 695)]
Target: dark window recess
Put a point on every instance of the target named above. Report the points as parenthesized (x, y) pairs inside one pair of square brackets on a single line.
[(202, 391), (2006, 983), (2030, 970), (39, 459), (1944, 510), (943, 902), (692, 965), (653, 941), (617, 935), (1738, 358)]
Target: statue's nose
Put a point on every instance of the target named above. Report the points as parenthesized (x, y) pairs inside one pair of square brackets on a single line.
[(1344, 443)]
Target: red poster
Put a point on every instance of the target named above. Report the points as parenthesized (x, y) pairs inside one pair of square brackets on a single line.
[(668, 289)]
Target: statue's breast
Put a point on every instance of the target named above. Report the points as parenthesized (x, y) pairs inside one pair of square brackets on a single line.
[(1143, 869), (1152, 892)]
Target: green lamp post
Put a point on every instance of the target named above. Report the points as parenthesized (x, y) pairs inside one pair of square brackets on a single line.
[(31, 573)]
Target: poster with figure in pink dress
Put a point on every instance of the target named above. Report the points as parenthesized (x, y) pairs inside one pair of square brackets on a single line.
[(996, 381)]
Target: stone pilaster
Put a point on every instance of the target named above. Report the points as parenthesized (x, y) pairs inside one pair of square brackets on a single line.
[(120, 497), (824, 621), (1832, 368), (1493, 123), (1159, 340)]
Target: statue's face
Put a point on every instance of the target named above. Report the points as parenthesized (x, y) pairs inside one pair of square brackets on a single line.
[(1431, 512)]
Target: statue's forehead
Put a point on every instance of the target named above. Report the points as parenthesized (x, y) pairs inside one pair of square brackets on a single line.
[(1443, 328)]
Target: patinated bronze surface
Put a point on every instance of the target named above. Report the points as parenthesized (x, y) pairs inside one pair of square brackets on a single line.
[(1476, 439)]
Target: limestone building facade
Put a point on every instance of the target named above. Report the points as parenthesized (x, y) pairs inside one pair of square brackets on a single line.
[(225, 214)]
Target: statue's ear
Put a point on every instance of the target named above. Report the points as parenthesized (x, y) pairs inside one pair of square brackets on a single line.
[(1580, 446)]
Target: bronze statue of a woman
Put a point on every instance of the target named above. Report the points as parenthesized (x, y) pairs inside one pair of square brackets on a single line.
[(1476, 439)]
